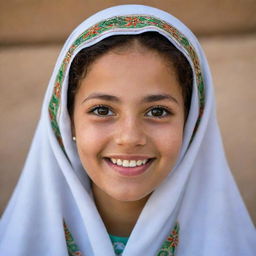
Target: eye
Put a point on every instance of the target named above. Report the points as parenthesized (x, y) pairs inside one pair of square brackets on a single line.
[(101, 111), (158, 112)]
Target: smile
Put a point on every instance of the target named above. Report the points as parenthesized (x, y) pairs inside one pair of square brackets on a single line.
[(129, 167), (128, 163)]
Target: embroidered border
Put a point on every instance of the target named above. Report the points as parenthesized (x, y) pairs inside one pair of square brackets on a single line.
[(124, 23), (168, 248), (73, 249)]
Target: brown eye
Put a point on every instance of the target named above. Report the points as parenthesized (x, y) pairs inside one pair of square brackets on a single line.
[(158, 112), (102, 111)]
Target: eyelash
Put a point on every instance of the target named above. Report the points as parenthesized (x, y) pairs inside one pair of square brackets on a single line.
[(93, 109), (166, 111)]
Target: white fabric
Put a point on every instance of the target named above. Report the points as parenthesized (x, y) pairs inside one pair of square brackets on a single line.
[(199, 193)]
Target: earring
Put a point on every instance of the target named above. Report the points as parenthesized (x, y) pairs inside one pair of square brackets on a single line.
[(74, 138)]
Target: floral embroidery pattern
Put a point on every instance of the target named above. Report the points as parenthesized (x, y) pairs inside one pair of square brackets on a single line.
[(168, 248), (71, 245), (170, 245), (121, 24)]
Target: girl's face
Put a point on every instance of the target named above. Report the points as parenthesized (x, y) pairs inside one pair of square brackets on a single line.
[(128, 122)]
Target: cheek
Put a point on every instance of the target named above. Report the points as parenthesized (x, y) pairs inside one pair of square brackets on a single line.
[(91, 139), (168, 140), (89, 145)]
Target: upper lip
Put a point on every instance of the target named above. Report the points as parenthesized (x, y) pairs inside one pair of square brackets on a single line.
[(130, 157)]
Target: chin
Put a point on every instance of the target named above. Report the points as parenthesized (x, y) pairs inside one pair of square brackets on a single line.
[(130, 197)]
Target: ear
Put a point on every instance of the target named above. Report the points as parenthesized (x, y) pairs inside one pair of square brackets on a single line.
[(73, 132)]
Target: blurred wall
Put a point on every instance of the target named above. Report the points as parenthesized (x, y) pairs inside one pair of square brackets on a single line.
[(33, 21), (31, 34)]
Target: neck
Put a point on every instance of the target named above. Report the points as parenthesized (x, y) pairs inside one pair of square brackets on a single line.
[(119, 217)]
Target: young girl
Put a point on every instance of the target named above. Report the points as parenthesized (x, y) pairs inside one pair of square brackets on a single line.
[(127, 158)]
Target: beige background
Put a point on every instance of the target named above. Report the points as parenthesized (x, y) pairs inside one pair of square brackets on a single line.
[(31, 35)]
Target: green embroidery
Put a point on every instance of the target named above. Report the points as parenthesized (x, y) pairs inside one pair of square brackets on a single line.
[(168, 247), (73, 249), (121, 23)]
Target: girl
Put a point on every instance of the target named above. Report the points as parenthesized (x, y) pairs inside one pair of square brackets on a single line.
[(127, 158)]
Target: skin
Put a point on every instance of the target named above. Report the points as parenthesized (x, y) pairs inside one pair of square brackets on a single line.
[(123, 125)]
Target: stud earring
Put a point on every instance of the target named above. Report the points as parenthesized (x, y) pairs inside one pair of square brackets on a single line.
[(74, 138)]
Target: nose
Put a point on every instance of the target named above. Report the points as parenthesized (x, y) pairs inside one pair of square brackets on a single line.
[(130, 133)]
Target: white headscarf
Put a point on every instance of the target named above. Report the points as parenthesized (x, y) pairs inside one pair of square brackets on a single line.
[(199, 193)]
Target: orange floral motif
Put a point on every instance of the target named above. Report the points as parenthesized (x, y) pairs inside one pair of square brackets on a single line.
[(176, 36), (71, 49), (67, 58), (92, 31), (132, 21), (174, 238), (57, 89), (170, 29)]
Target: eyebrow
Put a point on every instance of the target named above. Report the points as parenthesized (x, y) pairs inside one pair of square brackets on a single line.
[(147, 99), (101, 96), (158, 97)]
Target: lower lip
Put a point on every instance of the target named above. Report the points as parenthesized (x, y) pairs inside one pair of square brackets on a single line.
[(129, 171)]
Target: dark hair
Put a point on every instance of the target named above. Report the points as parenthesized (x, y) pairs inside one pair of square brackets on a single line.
[(150, 40)]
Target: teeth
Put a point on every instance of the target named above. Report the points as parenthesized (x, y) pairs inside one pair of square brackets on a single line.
[(139, 162), (132, 163), (119, 162), (113, 160), (128, 163)]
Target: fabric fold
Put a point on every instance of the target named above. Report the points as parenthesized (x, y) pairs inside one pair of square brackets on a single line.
[(199, 193)]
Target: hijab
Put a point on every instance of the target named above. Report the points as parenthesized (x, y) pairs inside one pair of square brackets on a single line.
[(199, 193)]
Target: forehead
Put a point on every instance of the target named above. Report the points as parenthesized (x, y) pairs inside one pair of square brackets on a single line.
[(134, 55), (132, 73)]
